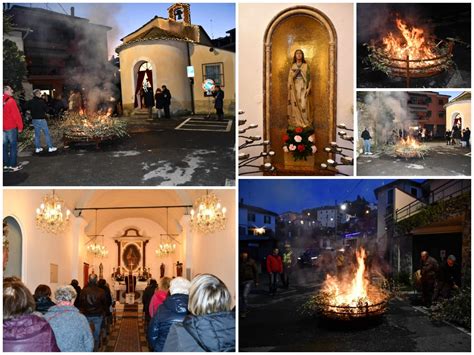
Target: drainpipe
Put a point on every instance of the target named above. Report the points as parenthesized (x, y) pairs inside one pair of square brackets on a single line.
[(191, 80)]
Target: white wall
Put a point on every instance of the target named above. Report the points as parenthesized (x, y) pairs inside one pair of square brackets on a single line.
[(39, 249), (253, 21), (216, 253)]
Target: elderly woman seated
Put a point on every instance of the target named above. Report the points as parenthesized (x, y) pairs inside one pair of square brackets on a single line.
[(70, 327)]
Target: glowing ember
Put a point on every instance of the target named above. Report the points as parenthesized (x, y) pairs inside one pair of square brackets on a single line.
[(410, 52), (352, 295)]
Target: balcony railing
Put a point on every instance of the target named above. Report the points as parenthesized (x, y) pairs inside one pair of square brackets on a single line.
[(448, 190)]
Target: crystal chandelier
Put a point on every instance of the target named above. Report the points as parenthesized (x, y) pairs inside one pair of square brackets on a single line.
[(166, 248), (51, 215), (208, 216), (97, 249)]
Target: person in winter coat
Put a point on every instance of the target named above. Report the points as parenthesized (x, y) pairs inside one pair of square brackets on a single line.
[(219, 102), (43, 298), (159, 296), (146, 299), (93, 305), (12, 125), (274, 269), (210, 326), (167, 100), (467, 137), (38, 108), (366, 137), (173, 310), (160, 102), (24, 331), (70, 327), (248, 277), (448, 280), (149, 99), (429, 270), (77, 288)]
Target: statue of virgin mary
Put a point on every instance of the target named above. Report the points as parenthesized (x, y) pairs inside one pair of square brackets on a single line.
[(299, 87)]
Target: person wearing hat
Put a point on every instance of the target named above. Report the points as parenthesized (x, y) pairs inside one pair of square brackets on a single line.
[(449, 279), (173, 310), (38, 108)]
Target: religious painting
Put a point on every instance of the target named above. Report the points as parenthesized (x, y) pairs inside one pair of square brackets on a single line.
[(300, 89), (131, 257)]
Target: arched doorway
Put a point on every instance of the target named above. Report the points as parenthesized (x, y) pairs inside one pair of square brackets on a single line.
[(12, 247), (456, 119), (144, 82)]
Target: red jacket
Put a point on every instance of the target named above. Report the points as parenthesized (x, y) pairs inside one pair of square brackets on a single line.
[(11, 114), (274, 263)]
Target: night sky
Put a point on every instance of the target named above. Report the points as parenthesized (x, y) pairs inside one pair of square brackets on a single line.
[(295, 195)]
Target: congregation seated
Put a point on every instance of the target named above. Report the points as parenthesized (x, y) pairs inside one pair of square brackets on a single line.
[(43, 298), (71, 328), (210, 326), (93, 305), (159, 296), (23, 330), (172, 310), (146, 299)]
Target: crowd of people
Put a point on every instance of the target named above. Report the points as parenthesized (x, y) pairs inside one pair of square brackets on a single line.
[(180, 315)]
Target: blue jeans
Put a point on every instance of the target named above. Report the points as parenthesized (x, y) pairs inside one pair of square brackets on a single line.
[(10, 139), (244, 289), (41, 125), (366, 145), (97, 321)]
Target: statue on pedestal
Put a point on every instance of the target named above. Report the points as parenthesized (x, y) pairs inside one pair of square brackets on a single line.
[(162, 270)]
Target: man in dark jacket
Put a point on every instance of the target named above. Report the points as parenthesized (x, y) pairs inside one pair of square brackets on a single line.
[(219, 102), (93, 305), (12, 125), (147, 295), (173, 310), (366, 137), (449, 279), (149, 99), (167, 100), (429, 270), (77, 301), (248, 276), (467, 137), (38, 108), (108, 300)]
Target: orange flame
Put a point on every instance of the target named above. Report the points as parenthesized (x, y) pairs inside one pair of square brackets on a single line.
[(409, 142), (411, 42), (353, 292)]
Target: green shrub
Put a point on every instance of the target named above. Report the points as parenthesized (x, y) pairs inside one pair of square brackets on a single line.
[(456, 310)]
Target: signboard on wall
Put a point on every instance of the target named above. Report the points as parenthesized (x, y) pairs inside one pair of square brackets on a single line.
[(53, 273)]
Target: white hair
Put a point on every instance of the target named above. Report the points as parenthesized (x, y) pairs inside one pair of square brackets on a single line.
[(179, 285), (65, 293)]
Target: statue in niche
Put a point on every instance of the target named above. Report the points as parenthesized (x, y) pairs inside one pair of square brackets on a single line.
[(101, 271), (179, 269), (299, 89), (299, 138)]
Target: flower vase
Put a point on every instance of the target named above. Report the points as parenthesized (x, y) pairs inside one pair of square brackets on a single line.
[(301, 164)]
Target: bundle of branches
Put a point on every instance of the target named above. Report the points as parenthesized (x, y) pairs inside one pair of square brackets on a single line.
[(407, 151), (93, 126)]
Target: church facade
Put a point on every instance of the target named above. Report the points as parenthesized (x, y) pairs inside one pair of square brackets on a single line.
[(169, 51)]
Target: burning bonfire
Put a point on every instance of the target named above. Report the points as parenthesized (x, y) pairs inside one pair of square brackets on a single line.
[(410, 52), (95, 127), (410, 148), (351, 296)]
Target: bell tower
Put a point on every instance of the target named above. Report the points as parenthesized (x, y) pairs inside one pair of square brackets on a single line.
[(180, 12)]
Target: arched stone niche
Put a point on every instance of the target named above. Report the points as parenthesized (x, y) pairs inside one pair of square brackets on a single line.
[(306, 28)]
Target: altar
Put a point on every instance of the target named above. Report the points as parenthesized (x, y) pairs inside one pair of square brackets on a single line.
[(120, 291)]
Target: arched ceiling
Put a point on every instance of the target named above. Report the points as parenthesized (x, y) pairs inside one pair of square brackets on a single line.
[(127, 197)]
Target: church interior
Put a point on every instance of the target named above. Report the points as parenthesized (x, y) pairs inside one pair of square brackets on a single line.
[(126, 237)]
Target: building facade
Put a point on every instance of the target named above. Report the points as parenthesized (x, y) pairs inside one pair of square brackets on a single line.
[(458, 110), (59, 49), (174, 52), (427, 110)]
